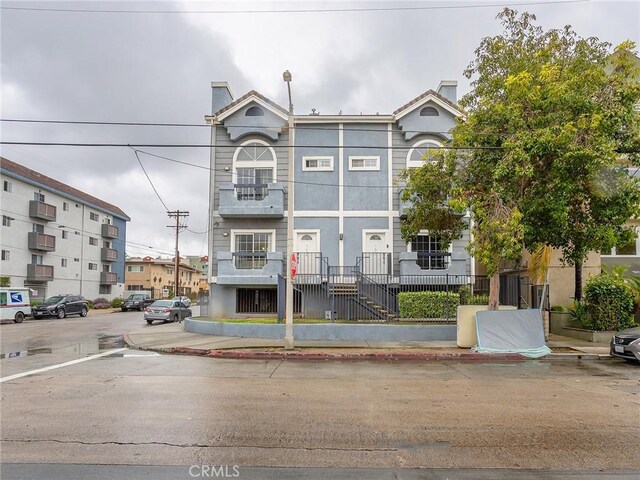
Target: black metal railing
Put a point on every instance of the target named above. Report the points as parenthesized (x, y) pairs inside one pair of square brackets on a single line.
[(251, 191), (249, 260)]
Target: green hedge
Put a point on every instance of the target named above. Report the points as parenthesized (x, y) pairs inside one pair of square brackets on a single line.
[(609, 304), (116, 302), (428, 304)]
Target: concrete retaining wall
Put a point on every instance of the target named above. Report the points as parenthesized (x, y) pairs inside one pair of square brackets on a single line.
[(325, 331)]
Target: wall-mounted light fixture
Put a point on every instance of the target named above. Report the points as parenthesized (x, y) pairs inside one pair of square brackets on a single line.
[(225, 234), (341, 236), (226, 169)]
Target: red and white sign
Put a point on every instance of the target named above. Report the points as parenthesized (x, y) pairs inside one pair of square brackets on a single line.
[(294, 265)]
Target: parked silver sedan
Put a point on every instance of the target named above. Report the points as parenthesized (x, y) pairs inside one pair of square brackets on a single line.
[(626, 344), (166, 310)]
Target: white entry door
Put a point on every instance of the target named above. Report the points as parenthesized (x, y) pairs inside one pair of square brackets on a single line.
[(375, 253), (309, 255)]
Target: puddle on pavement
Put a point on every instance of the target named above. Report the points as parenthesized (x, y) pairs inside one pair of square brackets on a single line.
[(85, 347)]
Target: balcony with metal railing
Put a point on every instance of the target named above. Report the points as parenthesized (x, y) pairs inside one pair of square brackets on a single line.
[(41, 242), (265, 200), (110, 231), (249, 268), (108, 255), (108, 278), (39, 273), (42, 211)]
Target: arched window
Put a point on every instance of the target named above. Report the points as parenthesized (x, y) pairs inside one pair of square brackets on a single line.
[(254, 112), (429, 112), (254, 165), (421, 152)]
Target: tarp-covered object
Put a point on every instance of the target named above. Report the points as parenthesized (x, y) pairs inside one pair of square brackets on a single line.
[(511, 331)]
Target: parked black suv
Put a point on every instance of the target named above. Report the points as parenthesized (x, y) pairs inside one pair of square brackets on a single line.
[(60, 306), (137, 301)]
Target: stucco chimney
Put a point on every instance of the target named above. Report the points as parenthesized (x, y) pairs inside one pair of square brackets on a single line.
[(221, 96), (449, 90)]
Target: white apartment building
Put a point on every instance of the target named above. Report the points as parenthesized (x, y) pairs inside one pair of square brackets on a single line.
[(56, 239)]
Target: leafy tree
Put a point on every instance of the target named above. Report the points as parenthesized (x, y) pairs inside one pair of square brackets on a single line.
[(5, 281), (539, 158), (562, 109)]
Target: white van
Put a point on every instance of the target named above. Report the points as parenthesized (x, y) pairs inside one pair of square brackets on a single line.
[(15, 304)]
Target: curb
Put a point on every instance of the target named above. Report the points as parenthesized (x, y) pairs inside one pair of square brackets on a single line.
[(247, 354)]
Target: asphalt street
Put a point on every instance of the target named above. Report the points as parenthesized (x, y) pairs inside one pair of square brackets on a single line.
[(117, 413)]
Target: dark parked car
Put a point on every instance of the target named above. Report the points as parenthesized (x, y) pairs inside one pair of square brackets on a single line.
[(166, 310), (626, 344), (60, 306), (136, 301)]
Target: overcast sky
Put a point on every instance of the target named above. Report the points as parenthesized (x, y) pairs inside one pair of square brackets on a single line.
[(158, 68)]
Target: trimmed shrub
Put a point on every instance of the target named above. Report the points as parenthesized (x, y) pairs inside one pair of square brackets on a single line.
[(116, 302), (467, 298), (428, 304), (609, 303)]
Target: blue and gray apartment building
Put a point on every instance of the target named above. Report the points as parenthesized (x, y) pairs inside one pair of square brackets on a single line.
[(352, 260)]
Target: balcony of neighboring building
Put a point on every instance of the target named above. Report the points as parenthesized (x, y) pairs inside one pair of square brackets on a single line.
[(258, 268), (108, 255), (41, 242), (264, 200), (39, 273), (108, 278), (109, 231), (42, 211)]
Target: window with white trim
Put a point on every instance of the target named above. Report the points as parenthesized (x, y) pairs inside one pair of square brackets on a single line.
[(65, 234), (364, 163), (254, 167), (135, 268), (38, 197), (7, 186), (6, 221), (93, 266), (63, 262), (94, 216), (6, 255), (93, 241), (422, 152), (250, 249), (431, 255), (317, 164), (65, 206)]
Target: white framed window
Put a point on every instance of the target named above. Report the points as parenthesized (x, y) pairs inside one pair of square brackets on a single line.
[(93, 241), (254, 165), (65, 206), (7, 186), (6, 255), (63, 262), (39, 197), (317, 164), (421, 152), (94, 216), (93, 266), (6, 221), (135, 268), (65, 234), (368, 163), (431, 255), (250, 248)]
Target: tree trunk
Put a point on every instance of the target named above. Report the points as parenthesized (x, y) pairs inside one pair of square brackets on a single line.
[(577, 270), (494, 291)]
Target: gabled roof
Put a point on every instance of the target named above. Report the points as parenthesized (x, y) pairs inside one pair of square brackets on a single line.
[(59, 187), (430, 94), (248, 97)]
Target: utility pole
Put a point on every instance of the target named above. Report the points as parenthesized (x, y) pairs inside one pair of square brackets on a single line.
[(178, 215), (288, 335)]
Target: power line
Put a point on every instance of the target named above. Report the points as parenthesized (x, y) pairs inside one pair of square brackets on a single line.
[(207, 145), (150, 182), (310, 10)]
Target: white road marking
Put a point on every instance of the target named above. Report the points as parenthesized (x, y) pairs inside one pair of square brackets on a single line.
[(60, 365)]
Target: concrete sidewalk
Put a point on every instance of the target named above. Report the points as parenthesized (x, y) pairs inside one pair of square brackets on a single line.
[(171, 338)]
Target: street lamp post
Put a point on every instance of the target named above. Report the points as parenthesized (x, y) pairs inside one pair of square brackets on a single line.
[(288, 335)]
